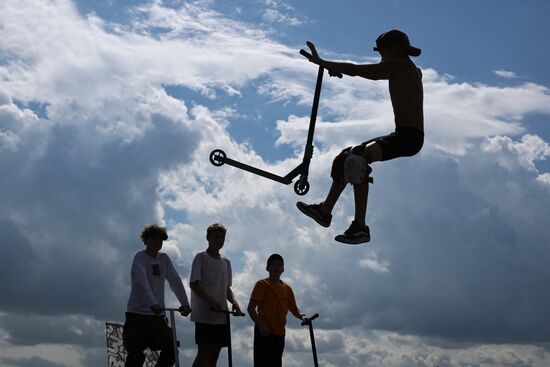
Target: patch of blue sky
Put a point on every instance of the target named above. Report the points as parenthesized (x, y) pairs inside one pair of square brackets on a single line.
[(539, 124), (175, 215), (466, 39), (40, 109), (118, 11), (255, 121)]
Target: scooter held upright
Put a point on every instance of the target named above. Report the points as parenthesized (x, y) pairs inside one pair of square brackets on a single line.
[(301, 186)]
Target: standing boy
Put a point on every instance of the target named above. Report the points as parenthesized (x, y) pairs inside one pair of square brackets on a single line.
[(211, 289), (352, 164), (146, 325), (270, 301)]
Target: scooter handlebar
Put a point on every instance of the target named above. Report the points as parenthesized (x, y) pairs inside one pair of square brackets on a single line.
[(310, 319), (234, 313), (306, 54)]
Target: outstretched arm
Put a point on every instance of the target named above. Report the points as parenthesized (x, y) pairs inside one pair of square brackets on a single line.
[(368, 71)]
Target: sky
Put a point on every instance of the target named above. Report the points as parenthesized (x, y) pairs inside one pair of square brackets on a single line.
[(109, 111)]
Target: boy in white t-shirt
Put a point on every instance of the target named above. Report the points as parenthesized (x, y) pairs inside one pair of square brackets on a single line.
[(146, 325), (210, 282)]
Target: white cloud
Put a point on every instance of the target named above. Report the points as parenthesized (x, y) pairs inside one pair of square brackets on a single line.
[(530, 149), (15, 123), (373, 264), (362, 110), (62, 355), (275, 16), (283, 13), (458, 255), (505, 74)]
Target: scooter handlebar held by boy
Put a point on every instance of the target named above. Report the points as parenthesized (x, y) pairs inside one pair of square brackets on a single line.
[(232, 313), (310, 57), (308, 321), (184, 311), (218, 157), (175, 341)]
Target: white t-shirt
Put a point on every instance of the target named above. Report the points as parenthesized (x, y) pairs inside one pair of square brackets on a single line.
[(148, 275), (214, 276)]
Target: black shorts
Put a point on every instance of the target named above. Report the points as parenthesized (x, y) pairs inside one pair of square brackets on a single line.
[(215, 334), (403, 142), (146, 331)]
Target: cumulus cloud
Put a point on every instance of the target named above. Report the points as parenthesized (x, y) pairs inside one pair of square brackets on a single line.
[(505, 74), (477, 111), (82, 180), (15, 123), (458, 257), (531, 148), (281, 12)]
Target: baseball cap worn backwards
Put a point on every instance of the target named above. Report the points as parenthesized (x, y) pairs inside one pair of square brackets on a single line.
[(396, 37)]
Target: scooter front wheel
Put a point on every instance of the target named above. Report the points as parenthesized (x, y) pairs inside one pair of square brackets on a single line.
[(216, 157), (301, 187)]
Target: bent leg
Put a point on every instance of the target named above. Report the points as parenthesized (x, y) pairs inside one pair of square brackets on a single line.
[(361, 195), (373, 152), (334, 193), (338, 181)]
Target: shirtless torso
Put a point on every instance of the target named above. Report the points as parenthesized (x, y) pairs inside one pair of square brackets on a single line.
[(405, 85), (407, 96)]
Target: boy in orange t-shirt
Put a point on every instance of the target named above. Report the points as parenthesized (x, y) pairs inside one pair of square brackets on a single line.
[(270, 301)]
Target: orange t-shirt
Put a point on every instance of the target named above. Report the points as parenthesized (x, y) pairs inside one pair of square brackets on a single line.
[(274, 301)]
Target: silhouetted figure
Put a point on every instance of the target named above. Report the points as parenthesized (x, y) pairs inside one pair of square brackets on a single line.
[(270, 301), (211, 289), (352, 165), (146, 325)]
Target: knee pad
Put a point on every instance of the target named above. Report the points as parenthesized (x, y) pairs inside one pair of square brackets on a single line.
[(356, 169), (337, 170)]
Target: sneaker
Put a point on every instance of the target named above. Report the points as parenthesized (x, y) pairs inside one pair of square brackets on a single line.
[(355, 234), (314, 212)]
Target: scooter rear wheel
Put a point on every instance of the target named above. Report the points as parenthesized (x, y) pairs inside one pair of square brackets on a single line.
[(215, 156), (301, 188)]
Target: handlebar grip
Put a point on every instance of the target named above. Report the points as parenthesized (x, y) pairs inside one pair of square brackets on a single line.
[(305, 54), (308, 56), (310, 319)]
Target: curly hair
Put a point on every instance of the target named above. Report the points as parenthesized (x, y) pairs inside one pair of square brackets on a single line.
[(216, 227), (154, 230)]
